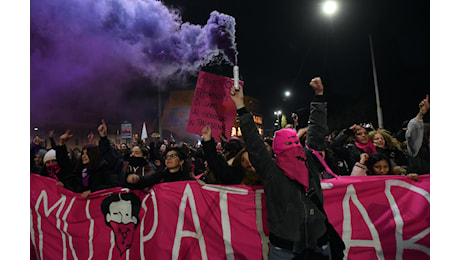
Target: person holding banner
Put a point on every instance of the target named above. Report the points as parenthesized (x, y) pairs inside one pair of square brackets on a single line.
[(138, 162), (99, 166), (174, 159), (376, 164), (298, 224)]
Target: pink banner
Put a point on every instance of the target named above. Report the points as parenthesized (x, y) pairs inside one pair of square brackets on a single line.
[(381, 217), (212, 105)]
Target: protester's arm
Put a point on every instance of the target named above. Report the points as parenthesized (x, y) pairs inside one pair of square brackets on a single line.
[(414, 133), (258, 154), (35, 146), (360, 168), (62, 158), (218, 166), (116, 176), (317, 122), (65, 175), (340, 140), (108, 153), (51, 137), (295, 119), (137, 182)]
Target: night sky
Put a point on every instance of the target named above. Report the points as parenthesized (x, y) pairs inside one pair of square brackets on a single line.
[(284, 44), (108, 59)]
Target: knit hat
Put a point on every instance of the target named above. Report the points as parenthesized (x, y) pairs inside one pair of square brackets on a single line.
[(283, 136), (41, 152), (50, 155)]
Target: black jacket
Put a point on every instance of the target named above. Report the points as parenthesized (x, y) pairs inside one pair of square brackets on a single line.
[(292, 216), (350, 153), (106, 175), (224, 173)]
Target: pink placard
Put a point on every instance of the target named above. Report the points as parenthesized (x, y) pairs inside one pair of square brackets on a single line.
[(212, 106)]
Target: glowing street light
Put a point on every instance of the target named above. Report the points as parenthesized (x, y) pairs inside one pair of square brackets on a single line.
[(287, 94), (330, 7), (278, 118)]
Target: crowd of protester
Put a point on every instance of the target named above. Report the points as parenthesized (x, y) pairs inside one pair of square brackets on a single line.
[(358, 150), (220, 162)]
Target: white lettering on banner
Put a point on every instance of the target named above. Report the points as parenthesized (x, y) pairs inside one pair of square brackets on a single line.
[(66, 225), (180, 233), (223, 204), (260, 224), (347, 227), (112, 245), (56, 233), (90, 231), (149, 236), (44, 196), (326, 186), (32, 232), (402, 244)]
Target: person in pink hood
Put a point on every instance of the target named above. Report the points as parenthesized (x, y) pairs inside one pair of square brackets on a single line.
[(293, 197)]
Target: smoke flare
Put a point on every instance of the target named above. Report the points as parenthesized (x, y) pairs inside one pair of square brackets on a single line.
[(94, 56)]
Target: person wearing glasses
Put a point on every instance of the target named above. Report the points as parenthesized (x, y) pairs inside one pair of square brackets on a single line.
[(173, 171)]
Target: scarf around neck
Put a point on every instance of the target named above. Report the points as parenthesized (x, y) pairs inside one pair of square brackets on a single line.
[(368, 148)]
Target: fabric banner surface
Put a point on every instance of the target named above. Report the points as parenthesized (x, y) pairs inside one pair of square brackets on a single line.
[(378, 217)]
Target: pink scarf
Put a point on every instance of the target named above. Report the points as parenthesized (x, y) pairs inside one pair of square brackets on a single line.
[(368, 148), (53, 169), (322, 161), (294, 164), (290, 157)]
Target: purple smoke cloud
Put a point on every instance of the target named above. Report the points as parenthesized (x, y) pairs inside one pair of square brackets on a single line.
[(89, 56)]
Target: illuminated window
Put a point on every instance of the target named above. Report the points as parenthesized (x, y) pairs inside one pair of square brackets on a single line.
[(236, 131)]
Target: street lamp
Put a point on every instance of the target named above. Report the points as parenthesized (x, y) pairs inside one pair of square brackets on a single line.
[(330, 8), (278, 118), (287, 94), (377, 98)]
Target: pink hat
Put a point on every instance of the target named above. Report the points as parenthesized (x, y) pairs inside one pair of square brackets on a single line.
[(284, 136)]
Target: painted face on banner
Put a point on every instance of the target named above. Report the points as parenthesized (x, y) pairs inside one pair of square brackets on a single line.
[(123, 223)]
